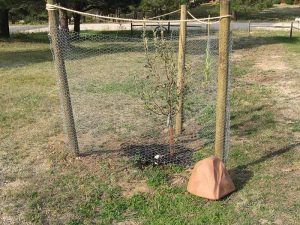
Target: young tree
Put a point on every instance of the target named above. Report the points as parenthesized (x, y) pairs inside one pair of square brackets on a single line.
[(158, 86)]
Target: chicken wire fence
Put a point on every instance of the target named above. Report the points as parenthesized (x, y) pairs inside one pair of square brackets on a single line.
[(123, 93)]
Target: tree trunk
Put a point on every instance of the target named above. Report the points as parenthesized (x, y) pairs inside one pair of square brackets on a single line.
[(64, 20), (4, 25), (135, 14), (171, 141), (234, 17), (64, 26), (77, 18)]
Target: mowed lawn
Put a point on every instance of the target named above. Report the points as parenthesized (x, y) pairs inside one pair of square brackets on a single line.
[(41, 182)]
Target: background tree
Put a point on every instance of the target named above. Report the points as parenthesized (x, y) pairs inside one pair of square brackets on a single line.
[(133, 7), (63, 15), (31, 10), (161, 6), (103, 6), (249, 6), (4, 25)]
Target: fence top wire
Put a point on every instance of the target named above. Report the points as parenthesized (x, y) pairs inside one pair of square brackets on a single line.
[(51, 7)]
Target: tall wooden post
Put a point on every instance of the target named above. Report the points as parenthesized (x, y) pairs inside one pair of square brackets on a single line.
[(62, 79), (181, 70), (249, 28), (291, 30), (208, 26), (223, 76)]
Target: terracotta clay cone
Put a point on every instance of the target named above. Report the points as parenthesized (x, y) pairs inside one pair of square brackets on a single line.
[(210, 179)]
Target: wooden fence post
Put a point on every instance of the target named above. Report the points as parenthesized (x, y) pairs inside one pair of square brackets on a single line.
[(249, 28), (208, 26), (60, 68), (181, 70), (291, 31), (223, 76)]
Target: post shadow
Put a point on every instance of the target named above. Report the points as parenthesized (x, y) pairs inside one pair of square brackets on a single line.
[(242, 174)]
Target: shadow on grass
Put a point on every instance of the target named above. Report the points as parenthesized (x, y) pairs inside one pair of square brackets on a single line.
[(159, 154), (252, 121), (240, 177), (117, 42), (143, 155), (242, 174), (39, 37), (23, 58)]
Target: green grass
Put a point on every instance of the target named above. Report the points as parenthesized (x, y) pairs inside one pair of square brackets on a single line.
[(295, 126), (49, 185), (127, 87), (294, 44)]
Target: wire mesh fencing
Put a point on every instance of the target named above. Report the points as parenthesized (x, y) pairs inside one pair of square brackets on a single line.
[(124, 94)]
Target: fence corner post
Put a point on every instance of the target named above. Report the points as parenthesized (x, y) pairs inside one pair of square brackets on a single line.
[(65, 99)]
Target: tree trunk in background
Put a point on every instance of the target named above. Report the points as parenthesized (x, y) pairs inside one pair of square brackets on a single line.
[(4, 25), (77, 18), (63, 16), (135, 14), (234, 15), (64, 26), (64, 20)]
